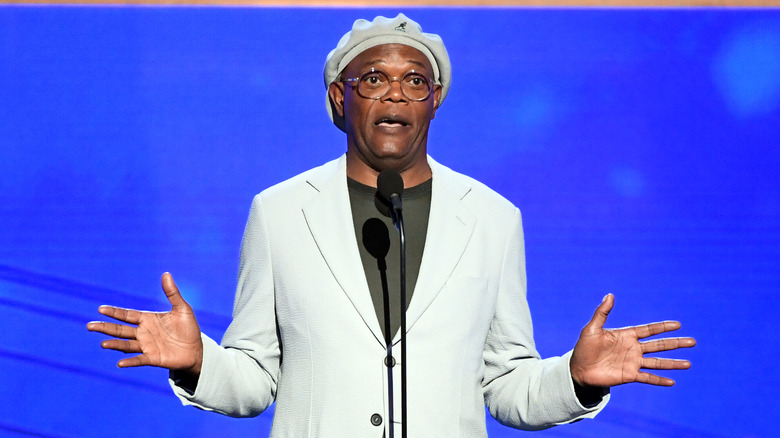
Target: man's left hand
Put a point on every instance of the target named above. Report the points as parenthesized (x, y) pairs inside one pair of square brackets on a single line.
[(610, 357)]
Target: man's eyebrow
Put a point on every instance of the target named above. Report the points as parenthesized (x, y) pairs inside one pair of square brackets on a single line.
[(383, 61), (411, 61)]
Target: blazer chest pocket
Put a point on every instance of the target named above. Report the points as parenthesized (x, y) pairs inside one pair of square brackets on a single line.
[(467, 302)]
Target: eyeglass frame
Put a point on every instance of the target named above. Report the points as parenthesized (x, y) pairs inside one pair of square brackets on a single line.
[(355, 83)]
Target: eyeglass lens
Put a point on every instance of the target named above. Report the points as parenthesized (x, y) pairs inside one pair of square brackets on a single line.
[(375, 84)]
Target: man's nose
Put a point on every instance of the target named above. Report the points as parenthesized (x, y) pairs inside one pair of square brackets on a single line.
[(395, 93)]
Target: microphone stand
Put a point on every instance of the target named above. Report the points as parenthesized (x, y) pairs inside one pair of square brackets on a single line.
[(398, 220)]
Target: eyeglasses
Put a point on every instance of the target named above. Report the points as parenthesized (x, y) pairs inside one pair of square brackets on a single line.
[(374, 84)]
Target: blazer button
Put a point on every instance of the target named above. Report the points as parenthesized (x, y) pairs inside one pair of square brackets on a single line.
[(376, 419), (389, 361)]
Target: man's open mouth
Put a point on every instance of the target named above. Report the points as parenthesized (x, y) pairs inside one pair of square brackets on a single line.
[(391, 122)]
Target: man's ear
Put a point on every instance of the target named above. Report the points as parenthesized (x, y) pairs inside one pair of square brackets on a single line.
[(436, 99), (336, 93)]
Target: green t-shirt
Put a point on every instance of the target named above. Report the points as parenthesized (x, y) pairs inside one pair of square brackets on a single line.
[(379, 244)]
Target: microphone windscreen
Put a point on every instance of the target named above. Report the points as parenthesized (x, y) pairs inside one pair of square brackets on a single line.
[(376, 238), (388, 183)]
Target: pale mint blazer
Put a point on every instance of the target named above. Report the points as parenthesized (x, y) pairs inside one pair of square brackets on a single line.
[(305, 333)]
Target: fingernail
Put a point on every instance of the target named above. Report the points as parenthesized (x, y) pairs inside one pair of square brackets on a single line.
[(605, 298)]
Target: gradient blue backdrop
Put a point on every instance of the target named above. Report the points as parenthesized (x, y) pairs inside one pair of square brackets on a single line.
[(641, 146)]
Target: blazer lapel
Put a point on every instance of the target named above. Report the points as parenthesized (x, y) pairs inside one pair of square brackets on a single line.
[(329, 217), (450, 226)]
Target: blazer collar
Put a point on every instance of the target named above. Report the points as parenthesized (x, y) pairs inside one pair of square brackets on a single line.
[(329, 218)]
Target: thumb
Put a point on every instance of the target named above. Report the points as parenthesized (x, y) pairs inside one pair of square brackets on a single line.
[(600, 316), (172, 292)]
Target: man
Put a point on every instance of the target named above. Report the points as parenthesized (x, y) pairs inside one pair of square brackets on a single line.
[(313, 317)]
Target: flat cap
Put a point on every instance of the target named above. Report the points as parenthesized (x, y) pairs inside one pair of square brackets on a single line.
[(382, 30)]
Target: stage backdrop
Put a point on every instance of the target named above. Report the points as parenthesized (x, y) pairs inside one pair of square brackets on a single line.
[(641, 146)]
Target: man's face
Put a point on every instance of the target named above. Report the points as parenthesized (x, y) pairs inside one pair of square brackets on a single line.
[(390, 132)]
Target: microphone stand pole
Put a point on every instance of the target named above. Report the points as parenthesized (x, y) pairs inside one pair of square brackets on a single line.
[(399, 224)]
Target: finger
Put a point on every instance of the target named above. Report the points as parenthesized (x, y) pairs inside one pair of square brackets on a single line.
[(125, 315), (172, 292), (136, 361), (600, 316), (643, 331), (656, 363), (652, 379), (131, 346), (667, 344), (111, 329)]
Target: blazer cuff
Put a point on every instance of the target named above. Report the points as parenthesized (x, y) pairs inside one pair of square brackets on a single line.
[(185, 393), (585, 411)]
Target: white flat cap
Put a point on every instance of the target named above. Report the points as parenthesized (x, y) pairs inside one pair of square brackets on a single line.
[(399, 30)]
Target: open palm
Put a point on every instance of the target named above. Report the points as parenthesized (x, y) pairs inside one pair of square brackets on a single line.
[(163, 339), (610, 357)]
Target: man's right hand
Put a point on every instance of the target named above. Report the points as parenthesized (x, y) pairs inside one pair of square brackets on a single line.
[(164, 339)]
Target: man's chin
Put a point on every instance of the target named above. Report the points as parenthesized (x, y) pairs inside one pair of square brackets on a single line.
[(397, 153), (390, 151)]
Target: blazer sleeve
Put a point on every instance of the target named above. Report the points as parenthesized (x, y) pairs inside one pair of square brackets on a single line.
[(521, 390), (239, 377)]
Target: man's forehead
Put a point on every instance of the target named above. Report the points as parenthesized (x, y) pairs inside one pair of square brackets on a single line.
[(391, 54)]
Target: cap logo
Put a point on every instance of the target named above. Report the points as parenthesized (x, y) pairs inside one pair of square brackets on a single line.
[(401, 27)]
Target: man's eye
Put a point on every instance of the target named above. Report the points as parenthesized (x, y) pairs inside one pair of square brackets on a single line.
[(416, 81), (373, 79)]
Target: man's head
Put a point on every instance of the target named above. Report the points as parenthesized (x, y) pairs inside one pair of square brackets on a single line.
[(385, 80), (399, 30)]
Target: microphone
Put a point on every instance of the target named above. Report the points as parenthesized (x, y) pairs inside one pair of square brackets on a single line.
[(389, 187)]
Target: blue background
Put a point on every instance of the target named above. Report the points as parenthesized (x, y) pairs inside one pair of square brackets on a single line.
[(641, 146)]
